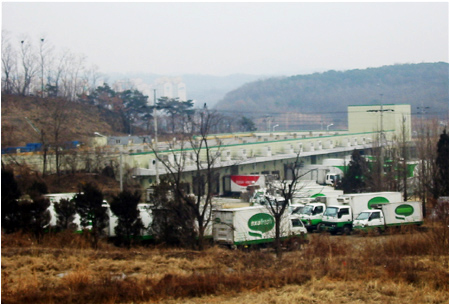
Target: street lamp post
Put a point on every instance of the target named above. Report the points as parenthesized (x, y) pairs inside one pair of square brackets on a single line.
[(328, 126)]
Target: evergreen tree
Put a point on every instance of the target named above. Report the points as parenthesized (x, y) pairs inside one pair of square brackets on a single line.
[(125, 207), (10, 207), (65, 213), (38, 188), (35, 216), (173, 221), (247, 124), (442, 165), (353, 180), (175, 109), (92, 214)]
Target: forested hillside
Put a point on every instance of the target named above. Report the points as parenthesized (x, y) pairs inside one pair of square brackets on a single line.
[(324, 97)]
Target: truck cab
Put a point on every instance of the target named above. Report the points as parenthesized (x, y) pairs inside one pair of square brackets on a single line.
[(332, 178), (369, 219), (311, 215), (296, 208), (297, 226), (337, 218)]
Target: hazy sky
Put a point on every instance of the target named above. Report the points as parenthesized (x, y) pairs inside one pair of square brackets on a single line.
[(233, 37)]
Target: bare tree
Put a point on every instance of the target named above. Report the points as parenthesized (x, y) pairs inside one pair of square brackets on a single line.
[(195, 150), (45, 59), (72, 68), (8, 64), (286, 189), (58, 122), (400, 158), (425, 180), (28, 66)]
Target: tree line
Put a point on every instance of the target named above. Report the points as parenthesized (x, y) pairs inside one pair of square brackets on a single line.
[(34, 66)]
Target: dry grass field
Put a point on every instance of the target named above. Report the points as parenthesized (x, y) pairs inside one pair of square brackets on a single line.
[(403, 267)]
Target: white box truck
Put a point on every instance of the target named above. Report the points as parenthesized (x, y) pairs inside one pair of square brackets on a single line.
[(252, 225), (339, 218), (387, 215)]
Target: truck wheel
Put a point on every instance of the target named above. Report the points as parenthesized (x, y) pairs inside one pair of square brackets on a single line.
[(377, 231), (347, 230), (319, 227)]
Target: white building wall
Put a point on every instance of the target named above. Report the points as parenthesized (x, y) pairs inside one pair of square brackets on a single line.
[(368, 118)]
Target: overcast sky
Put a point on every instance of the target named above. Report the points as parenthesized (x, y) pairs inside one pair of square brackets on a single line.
[(226, 38)]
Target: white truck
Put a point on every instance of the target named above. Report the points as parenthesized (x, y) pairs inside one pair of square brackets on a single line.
[(312, 212), (252, 225), (339, 218), (328, 173), (387, 215)]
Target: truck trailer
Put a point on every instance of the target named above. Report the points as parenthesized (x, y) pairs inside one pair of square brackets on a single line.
[(252, 225), (387, 215)]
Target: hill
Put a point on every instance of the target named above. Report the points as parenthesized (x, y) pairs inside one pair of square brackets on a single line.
[(325, 96), (77, 121)]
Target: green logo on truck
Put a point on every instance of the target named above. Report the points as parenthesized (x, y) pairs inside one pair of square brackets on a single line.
[(404, 210), (260, 222), (376, 200)]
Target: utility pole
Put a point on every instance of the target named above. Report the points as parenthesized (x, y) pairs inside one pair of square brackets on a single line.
[(422, 111), (41, 133), (155, 120), (381, 119), (423, 137), (121, 171), (381, 139), (42, 67)]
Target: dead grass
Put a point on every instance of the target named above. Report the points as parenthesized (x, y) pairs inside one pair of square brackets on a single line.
[(409, 267)]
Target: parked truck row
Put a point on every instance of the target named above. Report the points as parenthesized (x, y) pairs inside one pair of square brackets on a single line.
[(340, 214), (256, 225)]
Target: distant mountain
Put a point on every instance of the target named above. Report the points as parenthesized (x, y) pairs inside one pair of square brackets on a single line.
[(322, 98)]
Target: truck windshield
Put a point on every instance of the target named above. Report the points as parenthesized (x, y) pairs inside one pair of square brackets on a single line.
[(297, 210), (363, 216), (307, 210), (331, 212)]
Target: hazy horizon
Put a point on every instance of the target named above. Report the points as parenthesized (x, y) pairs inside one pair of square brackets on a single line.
[(235, 38)]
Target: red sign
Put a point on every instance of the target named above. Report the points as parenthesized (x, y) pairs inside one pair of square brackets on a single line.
[(244, 180)]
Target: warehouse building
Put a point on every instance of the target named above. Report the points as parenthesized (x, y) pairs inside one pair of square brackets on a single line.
[(269, 153)]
